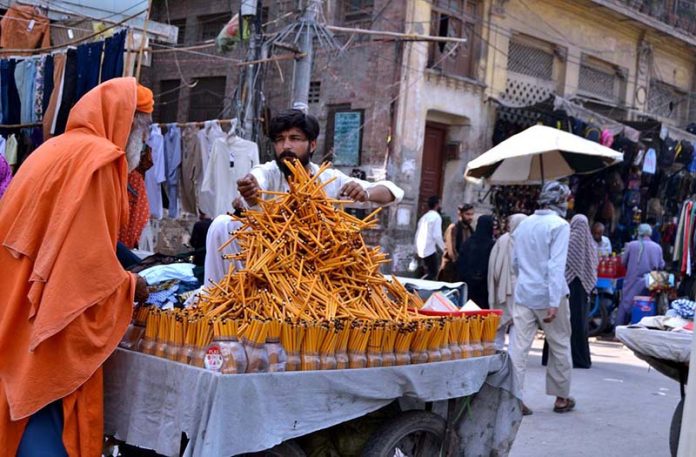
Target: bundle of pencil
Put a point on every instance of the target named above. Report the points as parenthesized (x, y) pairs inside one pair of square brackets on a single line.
[(475, 331), (490, 328)]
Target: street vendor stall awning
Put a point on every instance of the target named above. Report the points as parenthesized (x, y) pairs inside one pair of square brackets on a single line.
[(540, 153)]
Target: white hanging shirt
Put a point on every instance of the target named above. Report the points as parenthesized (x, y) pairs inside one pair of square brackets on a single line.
[(231, 158), (156, 175)]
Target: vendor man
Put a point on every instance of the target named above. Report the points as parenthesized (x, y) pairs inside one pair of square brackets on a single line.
[(294, 135), (66, 300)]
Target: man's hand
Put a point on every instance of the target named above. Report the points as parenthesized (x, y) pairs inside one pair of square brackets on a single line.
[(249, 189), (354, 191), (550, 315), (141, 292)]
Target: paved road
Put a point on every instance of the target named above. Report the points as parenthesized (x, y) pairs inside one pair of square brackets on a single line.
[(623, 409)]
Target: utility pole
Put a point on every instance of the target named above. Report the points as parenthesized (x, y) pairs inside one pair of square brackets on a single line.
[(303, 65), (251, 9)]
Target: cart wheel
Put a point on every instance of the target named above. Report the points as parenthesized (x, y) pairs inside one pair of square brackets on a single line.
[(675, 428), (412, 434), (596, 323), (286, 449)]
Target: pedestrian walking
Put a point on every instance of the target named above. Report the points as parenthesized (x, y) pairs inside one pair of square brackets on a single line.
[(429, 239), (640, 257), (455, 236), (502, 279), (540, 251), (472, 263), (581, 276)]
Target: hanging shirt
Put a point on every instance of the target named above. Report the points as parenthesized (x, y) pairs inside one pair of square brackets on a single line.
[(206, 137), (191, 170), (3, 144), (11, 150), (539, 260), (155, 176), (139, 210), (650, 162), (231, 159), (429, 234), (172, 161)]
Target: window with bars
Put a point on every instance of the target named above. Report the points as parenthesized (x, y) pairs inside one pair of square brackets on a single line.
[(314, 92), (357, 10), (207, 99), (601, 80), (668, 101), (168, 100), (455, 19), (210, 26), (531, 59), (181, 25)]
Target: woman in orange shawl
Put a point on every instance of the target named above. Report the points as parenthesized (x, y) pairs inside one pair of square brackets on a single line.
[(65, 301)]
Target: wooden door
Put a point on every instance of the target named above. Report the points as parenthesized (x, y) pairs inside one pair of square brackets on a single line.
[(432, 164)]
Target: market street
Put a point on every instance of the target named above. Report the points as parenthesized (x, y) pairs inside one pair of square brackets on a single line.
[(623, 409)]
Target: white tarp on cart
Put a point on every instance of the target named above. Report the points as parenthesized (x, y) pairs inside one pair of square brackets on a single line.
[(661, 344), (150, 401)]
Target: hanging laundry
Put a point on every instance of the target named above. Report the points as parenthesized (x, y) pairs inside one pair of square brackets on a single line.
[(208, 134), (3, 144), (24, 75), (172, 160), (11, 150), (24, 27), (112, 65), (47, 83), (191, 169), (11, 107), (5, 175), (650, 162), (89, 57), (156, 175), (51, 110), (68, 92), (231, 158), (39, 87), (139, 209)]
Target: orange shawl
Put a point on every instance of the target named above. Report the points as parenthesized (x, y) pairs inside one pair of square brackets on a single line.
[(65, 301)]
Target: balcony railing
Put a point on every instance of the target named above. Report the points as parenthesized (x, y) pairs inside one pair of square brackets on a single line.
[(680, 14)]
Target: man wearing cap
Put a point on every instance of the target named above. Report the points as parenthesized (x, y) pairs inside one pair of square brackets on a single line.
[(66, 301), (541, 293)]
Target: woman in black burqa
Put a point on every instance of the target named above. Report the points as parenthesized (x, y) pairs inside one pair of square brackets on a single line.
[(472, 262)]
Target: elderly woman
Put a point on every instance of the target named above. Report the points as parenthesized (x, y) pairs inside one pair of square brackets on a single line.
[(501, 278), (640, 257)]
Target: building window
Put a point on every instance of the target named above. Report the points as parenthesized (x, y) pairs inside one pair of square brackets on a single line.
[(344, 135), (207, 100), (314, 92), (455, 19), (210, 26), (601, 80), (667, 101), (167, 100), (530, 59), (181, 25), (357, 10)]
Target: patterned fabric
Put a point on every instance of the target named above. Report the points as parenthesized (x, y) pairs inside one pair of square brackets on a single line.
[(5, 175), (684, 308), (554, 196), (39, 89), (582, 254), (139, 210)]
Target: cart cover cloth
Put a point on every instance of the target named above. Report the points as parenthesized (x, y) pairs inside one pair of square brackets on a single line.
[(661, 344), (150, 401)]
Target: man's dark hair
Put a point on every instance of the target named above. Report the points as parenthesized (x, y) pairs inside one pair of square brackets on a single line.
[(433, 201), (294, 118), (465, 207)]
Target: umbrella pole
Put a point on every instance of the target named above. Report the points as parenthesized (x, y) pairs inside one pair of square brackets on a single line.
[(541, 166)]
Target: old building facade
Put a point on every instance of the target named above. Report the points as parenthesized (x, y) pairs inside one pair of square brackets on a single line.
[(425, 109)]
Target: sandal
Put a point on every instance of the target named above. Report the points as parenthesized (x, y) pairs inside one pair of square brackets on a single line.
[(526, 411), (569, 405)]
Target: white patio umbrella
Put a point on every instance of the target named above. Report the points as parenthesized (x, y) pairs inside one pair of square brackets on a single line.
[(540, 153)]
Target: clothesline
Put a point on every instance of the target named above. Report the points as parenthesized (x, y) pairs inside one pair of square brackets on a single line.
[(20, 126), (195, 123)]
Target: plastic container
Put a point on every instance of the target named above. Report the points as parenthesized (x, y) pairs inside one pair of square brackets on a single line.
[(476, 349), (327, 361), (466, 350), (342, 360), (419, 357), (357, 360), (160, 348), (456, 351), (434, 355), (172, 351), (374, 359), (277, 358), (402, 358), (642, 307), (293, 361), (213, 360), (388, 359), (446, 353), (185, 354), (310, 361), (198, 357), (234, 358), (147, 345), (488, 347), (133, 335), (257, 357)]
